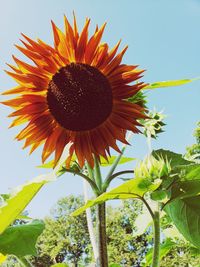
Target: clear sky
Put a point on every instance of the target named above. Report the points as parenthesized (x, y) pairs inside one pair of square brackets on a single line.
[(163, 38)]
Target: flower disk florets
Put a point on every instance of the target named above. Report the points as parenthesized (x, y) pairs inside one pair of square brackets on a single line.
[(79, 97)]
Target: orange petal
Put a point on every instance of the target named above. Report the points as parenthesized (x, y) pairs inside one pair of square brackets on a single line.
[(93, 44)]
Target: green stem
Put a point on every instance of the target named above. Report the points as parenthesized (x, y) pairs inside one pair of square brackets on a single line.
[(90, 181), (97, 174), (114, 166), (101, 235), (102, 260), (90, 171), (156, 248), (109, 179), (156, 227)]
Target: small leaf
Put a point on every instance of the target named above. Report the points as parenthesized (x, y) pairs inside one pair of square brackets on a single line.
[(20, 240), (105, 163), (185, 214), (114, 265), (170, 83), (48, 165), (132, 189)]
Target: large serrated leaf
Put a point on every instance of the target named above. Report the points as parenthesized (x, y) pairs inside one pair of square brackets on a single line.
[(132, 189), (170, 83), (185, 214), (20, 240)]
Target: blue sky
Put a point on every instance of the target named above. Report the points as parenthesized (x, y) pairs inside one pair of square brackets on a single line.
[(163, 38)]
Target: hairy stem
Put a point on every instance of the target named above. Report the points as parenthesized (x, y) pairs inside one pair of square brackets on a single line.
[(97, 174), (156, 248), (89, 215), (101, 221), (101, 235)]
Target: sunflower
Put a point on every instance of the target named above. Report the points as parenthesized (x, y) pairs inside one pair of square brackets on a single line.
[(74, 93)]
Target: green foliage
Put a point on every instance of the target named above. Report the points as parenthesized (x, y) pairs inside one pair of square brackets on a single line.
[(124, 248), (17, 203), (174, 159), (110, 161), (154, 124), (185, 214), (171, 83), (183, 195), (65, 237), (152, 169), (20, 240), (131, 189)]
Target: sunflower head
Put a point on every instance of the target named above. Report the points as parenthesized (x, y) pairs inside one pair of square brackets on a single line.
[(75, 92)]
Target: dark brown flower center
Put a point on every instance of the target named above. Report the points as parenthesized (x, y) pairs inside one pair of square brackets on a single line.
[(79, 97)]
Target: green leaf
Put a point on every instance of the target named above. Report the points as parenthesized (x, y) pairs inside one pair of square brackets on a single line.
[(20, 240), (17, 203), (185, 189), (188, 184), (114, 265), (60, 265), (48, 165), (185, 214), (170, 83), (132, 189), (105, 163), (22, 195), (174, 159), (159, 195), (164, 249)]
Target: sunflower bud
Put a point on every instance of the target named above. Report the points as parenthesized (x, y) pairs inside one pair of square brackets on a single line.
[(152, 168)]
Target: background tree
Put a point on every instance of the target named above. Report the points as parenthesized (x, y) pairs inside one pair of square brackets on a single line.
[(65, 238), (123, 247)]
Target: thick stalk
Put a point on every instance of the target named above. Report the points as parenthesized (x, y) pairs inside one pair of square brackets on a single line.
[(101, 221), (101, 235), (156, 248), (156, 231), (97, 174), (89, 216)]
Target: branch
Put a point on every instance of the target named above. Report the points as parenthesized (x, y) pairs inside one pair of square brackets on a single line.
[(110, 178)]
